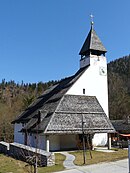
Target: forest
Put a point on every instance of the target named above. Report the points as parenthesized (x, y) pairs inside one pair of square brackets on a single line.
[(14, 97), (119, 88)]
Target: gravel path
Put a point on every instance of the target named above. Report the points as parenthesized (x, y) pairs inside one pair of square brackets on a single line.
[(69, 161)]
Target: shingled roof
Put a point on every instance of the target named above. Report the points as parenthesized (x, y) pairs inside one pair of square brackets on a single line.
[(121, 126), (51, 96), (68, 116), (92, 44), (55, 112)]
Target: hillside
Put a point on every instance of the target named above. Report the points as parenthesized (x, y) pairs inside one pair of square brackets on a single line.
[(119, 87), (14, 97)]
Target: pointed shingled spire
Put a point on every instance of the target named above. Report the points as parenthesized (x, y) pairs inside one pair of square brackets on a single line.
[(92, 44)]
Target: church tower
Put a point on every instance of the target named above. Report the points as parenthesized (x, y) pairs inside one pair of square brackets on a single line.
[(93, 82), (92, 46)]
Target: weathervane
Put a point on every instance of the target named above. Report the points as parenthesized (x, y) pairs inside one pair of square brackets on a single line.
[(92, 22)]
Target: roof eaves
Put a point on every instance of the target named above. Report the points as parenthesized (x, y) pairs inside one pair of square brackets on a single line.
[(45, 131)]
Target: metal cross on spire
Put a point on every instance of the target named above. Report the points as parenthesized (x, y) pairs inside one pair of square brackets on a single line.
[(92, 22)]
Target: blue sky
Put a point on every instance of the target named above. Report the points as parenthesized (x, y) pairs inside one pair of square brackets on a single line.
[(40, 39)]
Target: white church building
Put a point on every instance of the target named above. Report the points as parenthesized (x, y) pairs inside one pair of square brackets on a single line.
[(77, 104)]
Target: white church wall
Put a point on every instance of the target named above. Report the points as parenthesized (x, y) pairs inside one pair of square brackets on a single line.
[(32, 140), (100, 139), (54, 142), (61, 142), (38, 141), (42, 141), (18, 136), (94, 81), (68, 141)]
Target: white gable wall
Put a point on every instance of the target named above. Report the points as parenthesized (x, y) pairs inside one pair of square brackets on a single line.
[(38, 141), (94, 81), (18, 136)]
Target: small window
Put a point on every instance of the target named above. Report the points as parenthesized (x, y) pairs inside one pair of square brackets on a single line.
[(83, 91)]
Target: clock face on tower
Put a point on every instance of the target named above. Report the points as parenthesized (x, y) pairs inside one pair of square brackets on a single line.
[(102, 71)]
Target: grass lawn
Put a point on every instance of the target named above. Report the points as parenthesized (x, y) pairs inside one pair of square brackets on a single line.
[(99, 156), (10, 165), (57, 167)]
